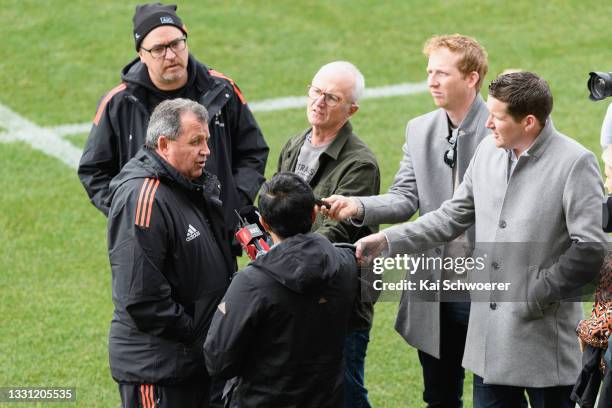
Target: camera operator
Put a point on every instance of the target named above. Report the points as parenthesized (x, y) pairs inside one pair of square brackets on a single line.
[(281, 326)]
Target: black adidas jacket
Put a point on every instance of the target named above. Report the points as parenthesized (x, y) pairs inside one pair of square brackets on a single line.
[(238, 149), (171, 266), (281, 326)]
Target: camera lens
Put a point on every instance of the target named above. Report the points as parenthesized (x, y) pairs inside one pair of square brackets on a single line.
[(600, 85)]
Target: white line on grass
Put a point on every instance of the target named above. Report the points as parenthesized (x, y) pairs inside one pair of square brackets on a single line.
[(74, 129), (21, 129), (49, 140), (289, 102)]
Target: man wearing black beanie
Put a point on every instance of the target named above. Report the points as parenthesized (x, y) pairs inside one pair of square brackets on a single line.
[(149, 16), (164, 70)]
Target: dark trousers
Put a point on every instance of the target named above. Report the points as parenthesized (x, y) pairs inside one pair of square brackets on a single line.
[(592, 381), (505, 396), (355, 346), (443, 377), (216, 393), (194, 394)]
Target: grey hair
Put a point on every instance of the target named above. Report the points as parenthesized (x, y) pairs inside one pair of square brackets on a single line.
[(166, 119), (348, 68)]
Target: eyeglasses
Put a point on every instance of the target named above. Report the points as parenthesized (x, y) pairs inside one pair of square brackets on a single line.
[(159, 51), (450, 156), (330, 99)]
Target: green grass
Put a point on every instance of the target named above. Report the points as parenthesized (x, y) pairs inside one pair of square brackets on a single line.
[(61, 56), (77, 140)]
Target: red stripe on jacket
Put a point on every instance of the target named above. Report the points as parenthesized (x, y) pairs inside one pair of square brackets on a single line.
[(104, 102), (236, 89), (145, 184), (144, 207)]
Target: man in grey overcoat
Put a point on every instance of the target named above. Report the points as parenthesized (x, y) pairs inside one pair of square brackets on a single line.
[(437, 151), (529, 184)]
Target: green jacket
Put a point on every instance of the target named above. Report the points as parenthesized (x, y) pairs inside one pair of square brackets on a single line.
[(347, 167)]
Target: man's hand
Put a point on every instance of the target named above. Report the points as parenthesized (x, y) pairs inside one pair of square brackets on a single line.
[(370, 247), (341, 207)]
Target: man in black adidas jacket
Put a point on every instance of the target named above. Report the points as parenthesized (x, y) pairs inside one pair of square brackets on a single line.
[(280, 328), (170, 261), (164, 70)]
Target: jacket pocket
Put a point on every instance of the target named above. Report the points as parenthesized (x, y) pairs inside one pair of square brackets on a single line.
[(535, 293)]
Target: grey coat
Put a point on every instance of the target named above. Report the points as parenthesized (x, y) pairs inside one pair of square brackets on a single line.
[(423, 183), (553, 198)]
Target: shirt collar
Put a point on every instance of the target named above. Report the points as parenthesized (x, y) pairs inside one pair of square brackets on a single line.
[(512, 155)]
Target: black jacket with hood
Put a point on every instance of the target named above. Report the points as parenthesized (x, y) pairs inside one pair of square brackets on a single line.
[(171, 265), (238, 149), (281, 326)]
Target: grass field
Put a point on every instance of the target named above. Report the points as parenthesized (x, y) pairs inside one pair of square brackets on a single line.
[(60, 56)]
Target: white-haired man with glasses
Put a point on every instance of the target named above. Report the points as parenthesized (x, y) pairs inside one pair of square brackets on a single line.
[(164, 69), (333, 160), (439, 146)]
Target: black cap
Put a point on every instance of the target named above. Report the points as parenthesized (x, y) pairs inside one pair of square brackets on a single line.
[(151, 15)]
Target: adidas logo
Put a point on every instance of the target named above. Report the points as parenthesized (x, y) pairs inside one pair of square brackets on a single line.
[(192, 233)]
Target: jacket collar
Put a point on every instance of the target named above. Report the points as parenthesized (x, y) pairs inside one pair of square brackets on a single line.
[(541, 141), (469, 125), (204, 81), (334, 149), (470, 122)]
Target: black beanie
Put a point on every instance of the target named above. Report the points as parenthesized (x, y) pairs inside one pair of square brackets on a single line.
[(151, 15)]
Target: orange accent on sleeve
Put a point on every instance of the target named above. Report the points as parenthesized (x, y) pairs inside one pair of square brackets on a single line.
[(145, 204), (149, 210), (236, 89), (139, 205), (104, 102)]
